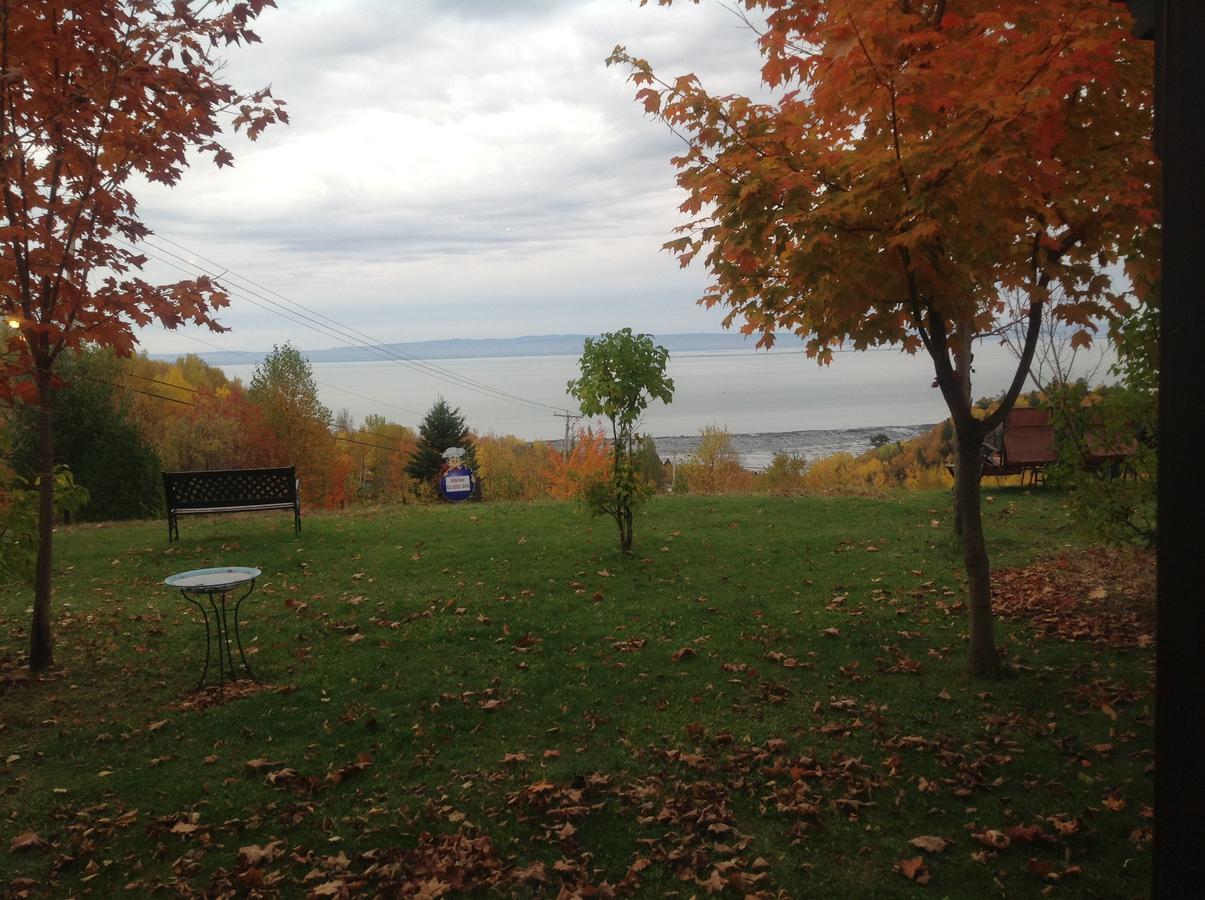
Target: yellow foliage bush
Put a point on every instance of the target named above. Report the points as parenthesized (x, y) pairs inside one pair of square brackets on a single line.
[(510, 468), (842, 473), (714, 468)]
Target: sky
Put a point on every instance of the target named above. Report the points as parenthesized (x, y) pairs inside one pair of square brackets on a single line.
[(452, 169)]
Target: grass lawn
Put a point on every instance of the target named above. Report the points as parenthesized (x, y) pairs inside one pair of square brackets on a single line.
[(771, 698)]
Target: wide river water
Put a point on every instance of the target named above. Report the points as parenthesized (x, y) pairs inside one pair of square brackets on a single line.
[(775, 401)]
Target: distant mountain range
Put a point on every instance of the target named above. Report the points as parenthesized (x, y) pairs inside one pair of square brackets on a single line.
[(532, 345)]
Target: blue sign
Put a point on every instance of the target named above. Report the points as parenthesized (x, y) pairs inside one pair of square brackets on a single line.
[(457, 484)]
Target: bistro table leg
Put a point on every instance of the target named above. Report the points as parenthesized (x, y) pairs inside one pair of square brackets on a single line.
[(205, 616), (220, 627), (238, 639)]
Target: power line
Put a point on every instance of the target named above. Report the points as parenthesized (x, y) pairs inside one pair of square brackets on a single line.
[(254, 361), (337, 329), (135, 390), (415, 361)]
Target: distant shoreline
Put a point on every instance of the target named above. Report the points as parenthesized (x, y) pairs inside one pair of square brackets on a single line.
[(759, 449), (484, 348)]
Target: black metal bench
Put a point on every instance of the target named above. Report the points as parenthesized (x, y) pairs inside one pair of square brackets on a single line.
[(232, 490)]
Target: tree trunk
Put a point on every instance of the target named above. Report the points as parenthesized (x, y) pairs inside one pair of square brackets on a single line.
[(41, 646), (625, 530), (961, 346), (985, 662)]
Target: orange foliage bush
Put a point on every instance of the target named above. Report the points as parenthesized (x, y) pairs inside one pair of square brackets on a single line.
[(588, 464)]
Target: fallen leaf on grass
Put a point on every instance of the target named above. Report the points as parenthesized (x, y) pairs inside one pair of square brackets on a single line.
[(184, 828), (1039, 867), (997, 840), (30, 840), (683, 654), (1025, 834), (930, 843), (715, 884), (253, 855), (914, 869), (1065, 827)]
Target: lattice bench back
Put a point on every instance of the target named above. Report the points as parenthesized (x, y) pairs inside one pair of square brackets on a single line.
[(231, 490)]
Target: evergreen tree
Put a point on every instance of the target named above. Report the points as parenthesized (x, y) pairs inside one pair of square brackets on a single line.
[(96, 439), (648, 463), (442, 428)]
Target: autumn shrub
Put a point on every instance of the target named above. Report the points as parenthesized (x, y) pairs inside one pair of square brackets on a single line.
[(714, 468), (588, 463), (784, 476), (843, 473), (511, 468)]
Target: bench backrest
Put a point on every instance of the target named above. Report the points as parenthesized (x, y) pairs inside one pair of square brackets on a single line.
[(1029, 437), (230, 487)]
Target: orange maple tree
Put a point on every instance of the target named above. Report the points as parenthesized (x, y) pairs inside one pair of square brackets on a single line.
[(916, 161), (92, 94)]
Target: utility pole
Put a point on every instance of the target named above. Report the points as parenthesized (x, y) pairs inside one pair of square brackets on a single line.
[(567, 416)]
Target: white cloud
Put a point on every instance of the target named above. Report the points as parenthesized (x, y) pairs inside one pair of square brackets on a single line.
[(469, 162)]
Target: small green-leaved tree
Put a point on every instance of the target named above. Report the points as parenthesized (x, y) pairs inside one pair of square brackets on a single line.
[(622, 373), (1108, 457), (19, 540)]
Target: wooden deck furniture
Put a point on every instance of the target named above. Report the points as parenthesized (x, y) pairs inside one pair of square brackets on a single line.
[(230, 490), (1025, 447)]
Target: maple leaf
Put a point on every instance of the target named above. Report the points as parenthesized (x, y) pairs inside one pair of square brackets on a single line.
[(1039, 867), (253, 854), (1025, 834), (336, 889), (997, 840), (715, 884), (28, 840), (930, 843), (914, 869)]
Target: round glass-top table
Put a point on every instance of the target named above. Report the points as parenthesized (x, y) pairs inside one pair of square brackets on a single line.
[(216, 584)]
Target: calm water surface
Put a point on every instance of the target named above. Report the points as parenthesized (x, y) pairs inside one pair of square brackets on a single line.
[(746, 392)]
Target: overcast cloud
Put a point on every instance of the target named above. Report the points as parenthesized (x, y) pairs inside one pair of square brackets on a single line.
[(454, 168)]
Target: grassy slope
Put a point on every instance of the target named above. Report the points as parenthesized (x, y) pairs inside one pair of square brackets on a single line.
[(530, 605)]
